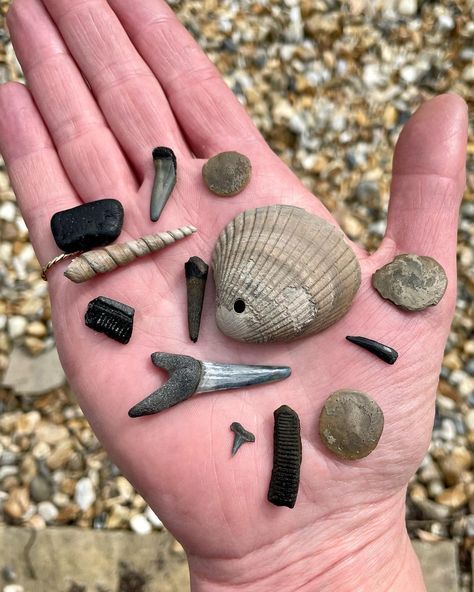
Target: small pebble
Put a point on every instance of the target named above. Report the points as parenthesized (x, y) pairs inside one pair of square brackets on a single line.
[(140, 525), (350, 424), (432, 510), (153, 518), (16, 326), (8, 574), (453, 497), (84, 496), (227, 173), (48, 511), (411, 282), (40, 489), (8, 211), (470, 525), (407, 7)]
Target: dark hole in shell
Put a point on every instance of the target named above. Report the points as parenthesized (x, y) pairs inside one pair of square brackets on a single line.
[(239, 306)]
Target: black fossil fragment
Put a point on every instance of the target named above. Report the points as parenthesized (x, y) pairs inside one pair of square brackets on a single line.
[(285, 478), (113, 318), (241, 436), (384, 352), (196, 276), (164, 160), (90, 225)]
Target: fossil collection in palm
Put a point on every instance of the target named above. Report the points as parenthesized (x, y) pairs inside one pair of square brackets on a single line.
[(281, 273)]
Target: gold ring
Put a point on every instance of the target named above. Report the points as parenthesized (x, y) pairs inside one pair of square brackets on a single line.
[(57, 259)]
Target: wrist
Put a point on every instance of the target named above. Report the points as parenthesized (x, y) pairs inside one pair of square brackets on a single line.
[(373, 554)]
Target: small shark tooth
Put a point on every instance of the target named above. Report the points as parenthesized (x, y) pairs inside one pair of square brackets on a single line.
[(165, 180), (241, 436)]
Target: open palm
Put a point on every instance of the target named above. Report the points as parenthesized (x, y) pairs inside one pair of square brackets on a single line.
[(151, 85)]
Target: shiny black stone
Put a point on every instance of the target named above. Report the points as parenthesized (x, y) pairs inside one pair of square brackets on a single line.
[(113, 318), (94, 224)]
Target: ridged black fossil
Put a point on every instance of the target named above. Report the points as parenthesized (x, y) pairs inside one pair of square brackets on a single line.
[(196, 271), (285, 478), (110, 317), (384, 352), (241, 436), (164, 160)]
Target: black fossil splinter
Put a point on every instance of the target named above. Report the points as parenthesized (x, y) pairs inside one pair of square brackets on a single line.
[(188, 376), (285, 479), (241, 436), (384, 352), (165, 180), (196, 276), (111, 317)]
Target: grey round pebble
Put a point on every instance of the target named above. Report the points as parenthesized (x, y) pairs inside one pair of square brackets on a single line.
[(350, 424), (8, 574), (40, 489), (412, 282), (227, 173)]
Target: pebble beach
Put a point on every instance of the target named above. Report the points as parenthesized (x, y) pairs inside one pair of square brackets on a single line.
[(330, 85)]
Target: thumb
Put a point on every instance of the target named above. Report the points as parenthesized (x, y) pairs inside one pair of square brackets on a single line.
[(428, 181)]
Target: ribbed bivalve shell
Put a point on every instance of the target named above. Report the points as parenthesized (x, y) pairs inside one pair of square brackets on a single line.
[(281, 273)]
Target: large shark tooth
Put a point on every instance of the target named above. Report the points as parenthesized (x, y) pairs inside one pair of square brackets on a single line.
[(188, 376)]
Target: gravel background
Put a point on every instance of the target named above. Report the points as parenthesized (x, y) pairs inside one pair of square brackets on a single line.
[(329, 84)]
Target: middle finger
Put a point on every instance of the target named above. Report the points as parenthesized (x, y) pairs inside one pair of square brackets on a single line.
[(128, 93)]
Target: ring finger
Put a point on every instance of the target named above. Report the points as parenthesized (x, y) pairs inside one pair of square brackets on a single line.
[(87, 148)]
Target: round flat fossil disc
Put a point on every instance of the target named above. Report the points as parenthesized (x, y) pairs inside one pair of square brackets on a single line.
[(227, 173), (412, 282), (350, 424)]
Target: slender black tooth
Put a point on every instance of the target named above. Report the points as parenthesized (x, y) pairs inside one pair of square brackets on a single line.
[(285, 478), (384, 352), (241, 436), (196, 271), (110, 317), (164, 160)]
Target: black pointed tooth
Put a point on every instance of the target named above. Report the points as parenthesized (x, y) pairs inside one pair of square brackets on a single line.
[(384, 352), (110, 317)]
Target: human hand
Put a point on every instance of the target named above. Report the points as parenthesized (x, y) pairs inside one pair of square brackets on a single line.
[(151, 85)]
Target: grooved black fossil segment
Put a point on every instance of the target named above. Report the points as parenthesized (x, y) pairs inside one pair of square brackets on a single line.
[(196, 276), (94, 224), (113, 318), (384, 352), (241, 436), (164, 160), (285, 478)]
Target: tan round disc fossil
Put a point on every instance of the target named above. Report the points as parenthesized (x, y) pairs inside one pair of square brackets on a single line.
[(411, 282), (227, 173), (281, 273), (350, 424)]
